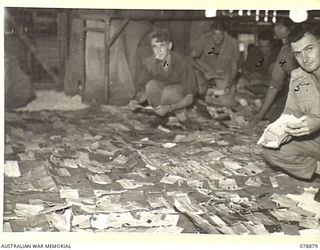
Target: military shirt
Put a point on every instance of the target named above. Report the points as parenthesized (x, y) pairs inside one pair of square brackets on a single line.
[(179, 71), (304, 94), (283, 66), (219, 59)]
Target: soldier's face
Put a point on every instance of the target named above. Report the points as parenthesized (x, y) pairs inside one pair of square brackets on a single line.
[(218, 36), (281, 31), (265, 46), (307, 52), (161, 50)]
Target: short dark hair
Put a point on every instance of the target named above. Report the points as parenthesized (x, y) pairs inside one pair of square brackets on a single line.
[(265, 35), (286, 22), (161, 34), (218, 25), (301, 29)]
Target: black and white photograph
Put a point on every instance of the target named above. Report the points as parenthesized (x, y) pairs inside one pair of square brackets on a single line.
[(162, 121)]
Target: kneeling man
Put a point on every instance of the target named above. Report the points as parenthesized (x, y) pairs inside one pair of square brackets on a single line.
[(167, 80), (301, 156)]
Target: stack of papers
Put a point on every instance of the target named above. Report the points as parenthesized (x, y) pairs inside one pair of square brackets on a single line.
[(274, 135)]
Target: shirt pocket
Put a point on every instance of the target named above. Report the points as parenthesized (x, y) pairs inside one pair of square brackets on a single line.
[(306, 96)]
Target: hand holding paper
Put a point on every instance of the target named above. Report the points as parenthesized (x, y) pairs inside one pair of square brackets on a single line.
[(134, 105), (304, 126), (275, 135), (162, 110)]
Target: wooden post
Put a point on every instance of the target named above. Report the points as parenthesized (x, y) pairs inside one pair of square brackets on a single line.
[(63, 45), (74, 78), (107, 23)]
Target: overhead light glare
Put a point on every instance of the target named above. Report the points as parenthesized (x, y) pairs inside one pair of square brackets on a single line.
[(298, 16), (210, 13)]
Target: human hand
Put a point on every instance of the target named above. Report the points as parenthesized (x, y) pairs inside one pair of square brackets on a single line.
[(162, 110), (141, 97), (307, 125), (286, 139), (133, 105)]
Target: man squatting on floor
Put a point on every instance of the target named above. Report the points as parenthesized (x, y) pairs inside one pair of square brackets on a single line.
[(301, 156), (167, 81)]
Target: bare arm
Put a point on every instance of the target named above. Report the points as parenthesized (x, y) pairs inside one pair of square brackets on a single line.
[(234, 66), (234, 71), (270, 97), (278, 77)]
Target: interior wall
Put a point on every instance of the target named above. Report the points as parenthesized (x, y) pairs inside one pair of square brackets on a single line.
[(125, 59)]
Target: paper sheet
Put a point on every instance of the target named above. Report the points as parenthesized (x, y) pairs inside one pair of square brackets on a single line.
[(69, 193), (11, 169), (27, 210), (129, 184), (170, 179), (102, 179), (307, 202)]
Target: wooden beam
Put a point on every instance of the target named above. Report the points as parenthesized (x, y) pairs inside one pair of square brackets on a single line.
[(63, 46), (32, 48), (107, 23), (74, 79), (139, 15), (119, 31), (99, 30), (115, 36)]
